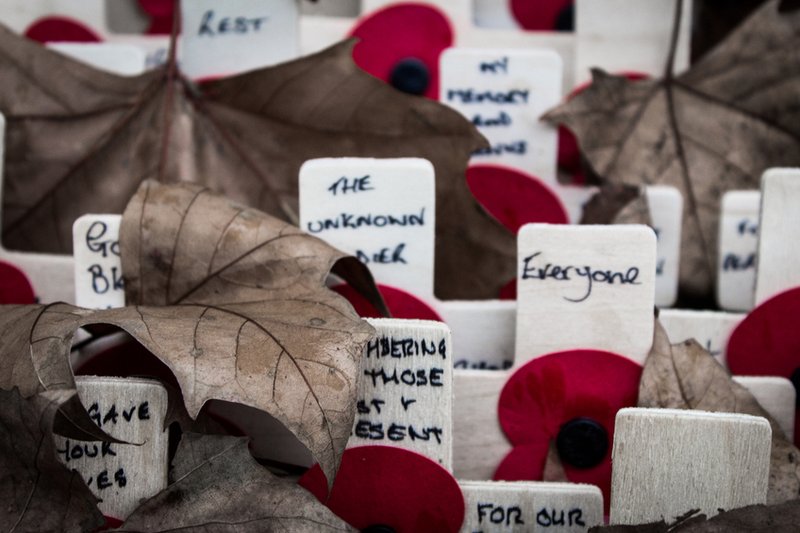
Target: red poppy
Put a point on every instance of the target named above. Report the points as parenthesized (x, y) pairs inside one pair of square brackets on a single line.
[(401, 45), (571, 398), (14, 286), (401, 304), (767, 342), (56, 29), (544, 15), (161, 15), (515, 198), (401, 491)]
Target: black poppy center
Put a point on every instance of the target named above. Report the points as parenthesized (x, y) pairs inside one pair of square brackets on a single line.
[(582, 443), (565, 20), (795, 379), (410, 75), (378, 528)]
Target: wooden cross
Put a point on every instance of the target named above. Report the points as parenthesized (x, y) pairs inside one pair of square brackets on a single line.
[(666, 213), (383, 211), (668, 462), (779, 231), (121, 475), (738, 245), (559, 309), (503, 92), (406, 389), (235, 36), (628, 36), (98, 268), (122, 59)]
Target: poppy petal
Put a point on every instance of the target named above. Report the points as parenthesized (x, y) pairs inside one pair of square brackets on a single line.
[(390, 487)]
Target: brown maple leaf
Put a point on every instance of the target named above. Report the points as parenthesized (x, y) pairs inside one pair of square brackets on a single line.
[(232, 300), (712, 129), (38, 493), (80, 141), (777, 518), (686, 376), (217, 484)]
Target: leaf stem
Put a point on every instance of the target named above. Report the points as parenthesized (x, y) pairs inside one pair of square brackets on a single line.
[(172, 75), (673, 44)]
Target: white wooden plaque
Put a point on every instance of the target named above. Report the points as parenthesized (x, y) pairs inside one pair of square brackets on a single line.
[(122, 59), (405, 391), (711, 329), (458, 12), (380, 210), (98, 267), (585, 287), (483, 332), (383, 212), (779, 233), (529, 506), (52, 276), (628, 36), (494, 14), (155, 47), (666, 213), (669, 461), (224, 38), (318, 32), (738, 246), (121, 475), (503, 92), (776, 395), (479, 443)]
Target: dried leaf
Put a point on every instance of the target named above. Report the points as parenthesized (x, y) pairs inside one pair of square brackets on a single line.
[(686, 376), (713, 129), (235, 305), (220, 487), (37, 491), (553, 468), (778, 518), (81, 141), (616, 204)]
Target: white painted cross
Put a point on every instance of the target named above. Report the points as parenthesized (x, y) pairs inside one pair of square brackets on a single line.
[(560, 309), (585, 287), (521, 506), (98, 267), (666, 214), (459, 12), (710, 328), (405, 391), (738, 245), (121, 475), (779, 233), (503, 92), (117, 58), (380, 210), (224, 38), (628, 36), (383, 211), (668, 461)]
